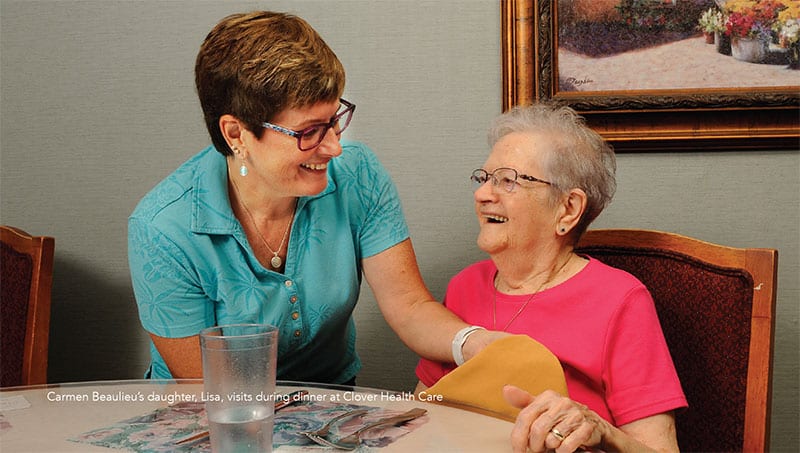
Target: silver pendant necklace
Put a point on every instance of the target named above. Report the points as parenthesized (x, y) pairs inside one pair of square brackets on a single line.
[(525, 304), (521, 309), (276, 262)]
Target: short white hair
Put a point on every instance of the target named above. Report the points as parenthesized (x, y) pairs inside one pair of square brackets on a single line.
[(578, 158)]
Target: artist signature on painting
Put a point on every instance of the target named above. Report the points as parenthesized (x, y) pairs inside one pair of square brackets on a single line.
[(578, 82)]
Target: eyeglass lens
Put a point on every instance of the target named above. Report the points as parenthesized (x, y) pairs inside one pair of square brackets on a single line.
[(313, 135), (502, 177)]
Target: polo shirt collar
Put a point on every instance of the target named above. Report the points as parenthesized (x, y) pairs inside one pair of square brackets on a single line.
[(211, 207)]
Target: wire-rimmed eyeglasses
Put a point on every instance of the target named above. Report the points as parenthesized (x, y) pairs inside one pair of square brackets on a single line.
[(502, 177), (310, 137)]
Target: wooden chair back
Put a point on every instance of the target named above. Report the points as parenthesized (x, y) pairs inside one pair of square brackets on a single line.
[(716, 305), (26, 269)]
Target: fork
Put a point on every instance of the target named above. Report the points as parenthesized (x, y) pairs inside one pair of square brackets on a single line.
[(352, 441), (326, 428)]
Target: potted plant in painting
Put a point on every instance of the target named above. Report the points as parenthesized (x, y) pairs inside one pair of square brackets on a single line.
[(749, 25), (711, 23), (788, 28)]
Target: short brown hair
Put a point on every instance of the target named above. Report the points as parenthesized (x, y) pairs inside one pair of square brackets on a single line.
[(255, 65)]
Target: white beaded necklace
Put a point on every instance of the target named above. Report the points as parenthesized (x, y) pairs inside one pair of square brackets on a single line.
[(276, 262)]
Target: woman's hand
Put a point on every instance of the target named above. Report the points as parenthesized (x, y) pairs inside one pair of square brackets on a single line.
[(550, 421)]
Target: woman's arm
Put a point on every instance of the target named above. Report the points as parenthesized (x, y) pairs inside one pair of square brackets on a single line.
[(172, 307), (182, 355), (657, 432), (422, 323)]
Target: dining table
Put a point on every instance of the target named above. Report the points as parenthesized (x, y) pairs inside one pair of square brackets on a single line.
[(155, 415)]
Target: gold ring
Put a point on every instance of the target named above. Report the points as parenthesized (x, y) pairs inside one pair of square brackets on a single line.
[(558, 434)]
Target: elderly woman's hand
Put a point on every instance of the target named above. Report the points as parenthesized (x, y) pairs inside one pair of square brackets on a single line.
[(550, 421)]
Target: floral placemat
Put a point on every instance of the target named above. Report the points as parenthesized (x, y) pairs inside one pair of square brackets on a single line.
[(156, 431), (159, 430)]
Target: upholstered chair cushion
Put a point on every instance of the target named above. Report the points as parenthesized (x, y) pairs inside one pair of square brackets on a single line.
[(14, 289)]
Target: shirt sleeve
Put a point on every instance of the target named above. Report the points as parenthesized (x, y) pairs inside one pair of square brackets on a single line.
[(384, 224), (640, 377), (170, 301), (429, 372)]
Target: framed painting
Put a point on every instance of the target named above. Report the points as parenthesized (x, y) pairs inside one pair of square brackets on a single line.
[(649, 86)]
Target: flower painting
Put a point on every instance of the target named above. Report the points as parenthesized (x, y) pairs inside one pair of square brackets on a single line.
[(624, 45), (661, 74), (752, 19)]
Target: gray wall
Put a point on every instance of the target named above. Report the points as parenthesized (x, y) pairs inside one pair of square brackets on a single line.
[(98, 105)]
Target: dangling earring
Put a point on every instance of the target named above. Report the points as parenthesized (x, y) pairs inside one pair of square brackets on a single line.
[(243, 169)]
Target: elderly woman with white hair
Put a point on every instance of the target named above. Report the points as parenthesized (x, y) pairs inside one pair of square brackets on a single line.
[(547, 178)]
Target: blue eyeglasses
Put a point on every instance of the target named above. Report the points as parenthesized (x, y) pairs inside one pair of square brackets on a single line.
[(310, 137)]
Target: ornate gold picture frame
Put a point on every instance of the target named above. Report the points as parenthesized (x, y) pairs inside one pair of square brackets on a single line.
[(728, 118)]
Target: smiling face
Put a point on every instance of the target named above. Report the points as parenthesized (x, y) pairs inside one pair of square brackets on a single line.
[(279, 167), (523, 220)]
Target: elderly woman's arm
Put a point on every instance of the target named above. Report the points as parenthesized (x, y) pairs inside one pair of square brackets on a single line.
[(576, 426), (421, 322)]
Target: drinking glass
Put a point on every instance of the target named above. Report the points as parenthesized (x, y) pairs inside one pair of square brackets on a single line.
[(239, 362)]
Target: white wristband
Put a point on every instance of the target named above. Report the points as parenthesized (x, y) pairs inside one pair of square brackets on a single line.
[(459, 340)]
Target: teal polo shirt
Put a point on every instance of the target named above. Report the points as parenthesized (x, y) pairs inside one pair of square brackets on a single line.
[(192, 266)]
